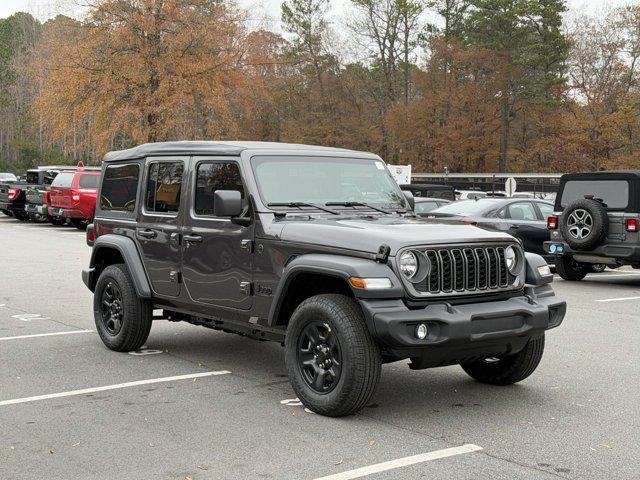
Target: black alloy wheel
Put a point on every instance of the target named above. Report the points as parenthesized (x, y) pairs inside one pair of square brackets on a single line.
[(319, 357), (112, 309)]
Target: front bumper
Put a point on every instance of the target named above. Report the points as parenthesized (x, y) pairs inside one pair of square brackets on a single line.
[(630, 253), (462, 333)]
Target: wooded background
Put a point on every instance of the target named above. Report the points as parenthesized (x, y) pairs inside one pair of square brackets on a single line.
[(471, 85)]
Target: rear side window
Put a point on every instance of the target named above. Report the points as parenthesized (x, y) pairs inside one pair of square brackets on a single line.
[(89, 181), (164, 186), (63, 179), (546, 209), (119, 187), (614, 193), (521, 211), (212, 177)]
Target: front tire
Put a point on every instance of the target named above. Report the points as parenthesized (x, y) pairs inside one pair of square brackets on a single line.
[(123, 319), (333, 363), (510, 369), (569, 269)]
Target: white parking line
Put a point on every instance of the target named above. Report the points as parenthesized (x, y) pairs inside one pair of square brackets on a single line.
[(110, 387), (44, 335), (620, 299), (402, 462)]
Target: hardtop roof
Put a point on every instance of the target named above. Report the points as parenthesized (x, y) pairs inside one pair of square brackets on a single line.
[(602, 174), (232, 148)]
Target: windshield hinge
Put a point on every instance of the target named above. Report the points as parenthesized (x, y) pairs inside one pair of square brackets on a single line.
[(383, 253)]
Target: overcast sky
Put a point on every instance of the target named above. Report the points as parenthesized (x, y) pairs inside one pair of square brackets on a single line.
[(47, 8)]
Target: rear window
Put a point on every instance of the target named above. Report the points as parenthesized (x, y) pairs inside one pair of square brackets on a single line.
[(32, 177), (63, 179), (614, 193), (119, 187), (89, 181)]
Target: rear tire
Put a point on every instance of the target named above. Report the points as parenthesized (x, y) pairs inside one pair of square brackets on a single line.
[(570, 270), (123, 319), (79, 223), (510, 369), (21, 215), (7, 213), (343, 343), (57, 221)]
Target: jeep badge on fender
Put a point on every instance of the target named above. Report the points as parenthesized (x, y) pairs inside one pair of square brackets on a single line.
[(345, 276)]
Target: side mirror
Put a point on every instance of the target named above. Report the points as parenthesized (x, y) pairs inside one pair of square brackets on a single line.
[(410, 200), (227, 203)]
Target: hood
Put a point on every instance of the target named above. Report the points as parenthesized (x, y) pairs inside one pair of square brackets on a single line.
[(368, 233)]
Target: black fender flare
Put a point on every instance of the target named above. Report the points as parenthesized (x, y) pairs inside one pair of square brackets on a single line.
[(342, 267), (129, 251)]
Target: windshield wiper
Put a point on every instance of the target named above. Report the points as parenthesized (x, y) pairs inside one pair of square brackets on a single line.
[(358, 204), (302, 204)]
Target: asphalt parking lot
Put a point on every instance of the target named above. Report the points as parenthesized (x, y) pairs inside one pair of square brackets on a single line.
[(198, 404)]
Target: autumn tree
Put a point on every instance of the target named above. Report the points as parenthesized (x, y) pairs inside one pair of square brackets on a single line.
[(148, 70)]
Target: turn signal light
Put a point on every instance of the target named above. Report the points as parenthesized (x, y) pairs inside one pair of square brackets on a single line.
[(552, 222), (370, 283), (91, 235), (631, 224), (13, 193)]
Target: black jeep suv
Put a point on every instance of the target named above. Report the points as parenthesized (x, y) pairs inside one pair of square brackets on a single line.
[(316, 248), (596, 221)]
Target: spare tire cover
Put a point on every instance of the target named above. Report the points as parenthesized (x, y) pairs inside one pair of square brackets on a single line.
[(584, 224)]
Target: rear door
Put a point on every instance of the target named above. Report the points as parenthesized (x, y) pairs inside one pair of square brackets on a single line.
[(158, 229), (217, 253), (524, 223)]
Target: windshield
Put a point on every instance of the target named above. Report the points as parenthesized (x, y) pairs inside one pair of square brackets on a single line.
[(469, 207), (324, 180)]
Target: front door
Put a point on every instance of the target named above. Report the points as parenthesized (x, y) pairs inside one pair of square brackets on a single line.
[(217, 253), (158, 229)]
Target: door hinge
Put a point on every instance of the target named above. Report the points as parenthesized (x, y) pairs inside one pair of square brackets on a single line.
[(245, 288), (175, 276), (246, 246)]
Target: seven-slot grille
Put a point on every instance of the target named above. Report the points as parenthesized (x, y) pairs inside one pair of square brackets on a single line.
[(464, 270)]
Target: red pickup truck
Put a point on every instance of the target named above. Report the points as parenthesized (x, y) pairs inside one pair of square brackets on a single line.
[(73, 196)]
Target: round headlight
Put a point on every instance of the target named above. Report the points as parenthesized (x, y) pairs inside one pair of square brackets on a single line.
[(511, 259), (409, 264)]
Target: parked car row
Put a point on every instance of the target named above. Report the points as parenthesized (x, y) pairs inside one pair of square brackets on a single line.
[(57, 194)]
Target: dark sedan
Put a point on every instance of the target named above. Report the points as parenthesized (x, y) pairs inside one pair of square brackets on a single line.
[(525, 219), (423, 206)]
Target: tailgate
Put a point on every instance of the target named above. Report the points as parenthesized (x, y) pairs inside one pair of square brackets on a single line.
[(35, 196), (60, 197)]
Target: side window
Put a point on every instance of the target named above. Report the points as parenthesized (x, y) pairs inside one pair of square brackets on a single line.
[(547, 210), (164, 186), (521, 211), (119, 187), (212, 177), (89, 181)]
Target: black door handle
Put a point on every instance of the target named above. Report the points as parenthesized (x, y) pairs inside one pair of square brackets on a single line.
[(192, 238), (147, 233)]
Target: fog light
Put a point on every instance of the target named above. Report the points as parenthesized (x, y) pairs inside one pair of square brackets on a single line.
[(422, 331)]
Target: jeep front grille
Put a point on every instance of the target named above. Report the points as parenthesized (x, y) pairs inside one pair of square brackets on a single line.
[(464, 270)]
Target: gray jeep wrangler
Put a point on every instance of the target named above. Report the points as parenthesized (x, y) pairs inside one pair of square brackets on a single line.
[(596, 222), (315, 248)]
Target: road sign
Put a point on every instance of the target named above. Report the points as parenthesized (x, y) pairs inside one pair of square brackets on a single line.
[(510, 186), (401, 173)]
